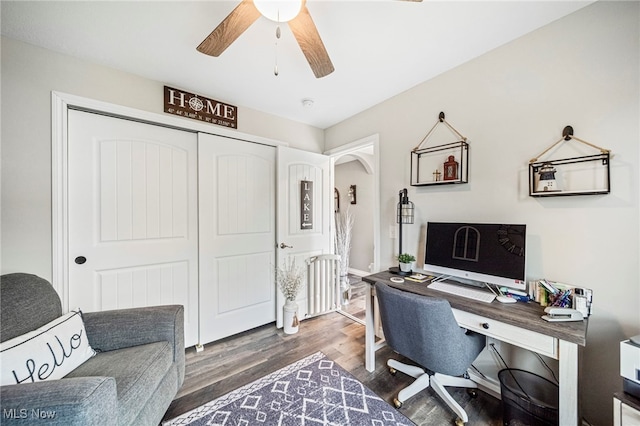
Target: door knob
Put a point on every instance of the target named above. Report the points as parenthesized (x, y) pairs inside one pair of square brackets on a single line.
[(80, 260), (284, 246)]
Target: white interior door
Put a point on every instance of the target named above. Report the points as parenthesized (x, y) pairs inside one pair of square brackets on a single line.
[(133, 230), (301, 237), (237, 236)]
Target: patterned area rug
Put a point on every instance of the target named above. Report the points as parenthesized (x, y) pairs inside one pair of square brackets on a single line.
[(313, 391)]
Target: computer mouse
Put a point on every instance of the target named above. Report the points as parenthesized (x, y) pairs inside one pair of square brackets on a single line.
[(505, 299)]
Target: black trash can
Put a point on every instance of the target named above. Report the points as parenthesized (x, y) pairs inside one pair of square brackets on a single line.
[(527, 399)]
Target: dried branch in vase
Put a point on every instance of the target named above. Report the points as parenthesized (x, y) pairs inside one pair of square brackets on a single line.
[(344, 226), (289, 278)]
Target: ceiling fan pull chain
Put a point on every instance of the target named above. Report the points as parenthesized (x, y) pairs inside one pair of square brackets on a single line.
[(275, 69)]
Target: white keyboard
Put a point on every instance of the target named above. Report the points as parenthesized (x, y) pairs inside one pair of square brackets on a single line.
[(463, 291)]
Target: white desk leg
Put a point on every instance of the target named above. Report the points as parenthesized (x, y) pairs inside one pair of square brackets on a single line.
[(568, 388), (369, 332)]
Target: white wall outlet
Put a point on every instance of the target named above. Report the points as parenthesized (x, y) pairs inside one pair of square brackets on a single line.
[(393, 231)]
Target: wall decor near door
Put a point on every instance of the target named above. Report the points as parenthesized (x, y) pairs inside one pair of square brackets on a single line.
[(196, 107), (440, 164), (306, 204), (576, 169)]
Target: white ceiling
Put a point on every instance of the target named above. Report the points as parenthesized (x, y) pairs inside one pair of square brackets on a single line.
[(379, 48)]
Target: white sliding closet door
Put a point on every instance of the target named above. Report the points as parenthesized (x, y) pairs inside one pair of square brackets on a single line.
[(237, 236), (133, 225)]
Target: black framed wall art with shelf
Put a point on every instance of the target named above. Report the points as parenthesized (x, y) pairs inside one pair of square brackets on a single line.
[(442, 164), (585, 174)]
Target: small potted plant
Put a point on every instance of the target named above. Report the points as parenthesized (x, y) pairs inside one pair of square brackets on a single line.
[(406, 262)]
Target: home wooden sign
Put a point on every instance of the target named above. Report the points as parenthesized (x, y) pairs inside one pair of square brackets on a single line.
[(306, 204), (196, 107)]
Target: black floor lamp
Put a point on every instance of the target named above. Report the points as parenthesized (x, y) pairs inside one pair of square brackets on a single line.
[(404, 214)]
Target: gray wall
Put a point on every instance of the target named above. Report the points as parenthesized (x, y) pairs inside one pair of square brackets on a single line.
[(512, 103), (29, 74), (354, 173)]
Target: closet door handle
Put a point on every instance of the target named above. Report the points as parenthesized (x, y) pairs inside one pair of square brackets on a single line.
[(284, 246), (80, 260)]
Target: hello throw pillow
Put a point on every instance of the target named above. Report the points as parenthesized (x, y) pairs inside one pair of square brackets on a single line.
[(48, 353)]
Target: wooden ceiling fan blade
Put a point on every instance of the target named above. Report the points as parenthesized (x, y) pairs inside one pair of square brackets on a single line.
[(230, 29), (306, 33)]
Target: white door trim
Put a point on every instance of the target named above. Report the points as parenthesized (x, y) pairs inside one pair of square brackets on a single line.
[(351, 147), (60, 104)]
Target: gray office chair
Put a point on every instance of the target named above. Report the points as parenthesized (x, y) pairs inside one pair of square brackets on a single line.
[(424, 330)]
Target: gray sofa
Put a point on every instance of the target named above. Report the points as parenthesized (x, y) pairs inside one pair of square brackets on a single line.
[(136, 373)]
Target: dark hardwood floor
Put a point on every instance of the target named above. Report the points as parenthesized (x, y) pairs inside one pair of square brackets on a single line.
[(230, 363)]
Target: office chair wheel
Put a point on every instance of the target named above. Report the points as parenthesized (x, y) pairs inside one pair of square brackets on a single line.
[(397, 403), (473, 393), (459, 422)]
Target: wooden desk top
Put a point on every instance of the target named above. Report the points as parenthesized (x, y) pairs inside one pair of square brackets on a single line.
[(628, 399), (523, 315)]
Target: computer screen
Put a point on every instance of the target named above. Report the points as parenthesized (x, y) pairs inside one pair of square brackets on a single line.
[(481, 252)]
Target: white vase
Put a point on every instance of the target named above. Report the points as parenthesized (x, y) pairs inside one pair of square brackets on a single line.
[(406, 267), (290, 321), (345, 290)]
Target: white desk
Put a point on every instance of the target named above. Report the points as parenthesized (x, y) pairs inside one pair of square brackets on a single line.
[(518, 324), (626, 409)]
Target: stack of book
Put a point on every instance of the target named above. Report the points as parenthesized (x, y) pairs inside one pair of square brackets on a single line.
[(419, 278), (552, 293), (520, 296)]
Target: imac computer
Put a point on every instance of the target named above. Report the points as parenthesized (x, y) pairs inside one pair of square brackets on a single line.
[(477, 253)]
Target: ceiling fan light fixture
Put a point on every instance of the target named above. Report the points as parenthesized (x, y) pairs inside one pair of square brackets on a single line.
[(279, 10)]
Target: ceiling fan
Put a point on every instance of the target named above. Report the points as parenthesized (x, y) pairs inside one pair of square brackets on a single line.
[(299, 20)]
